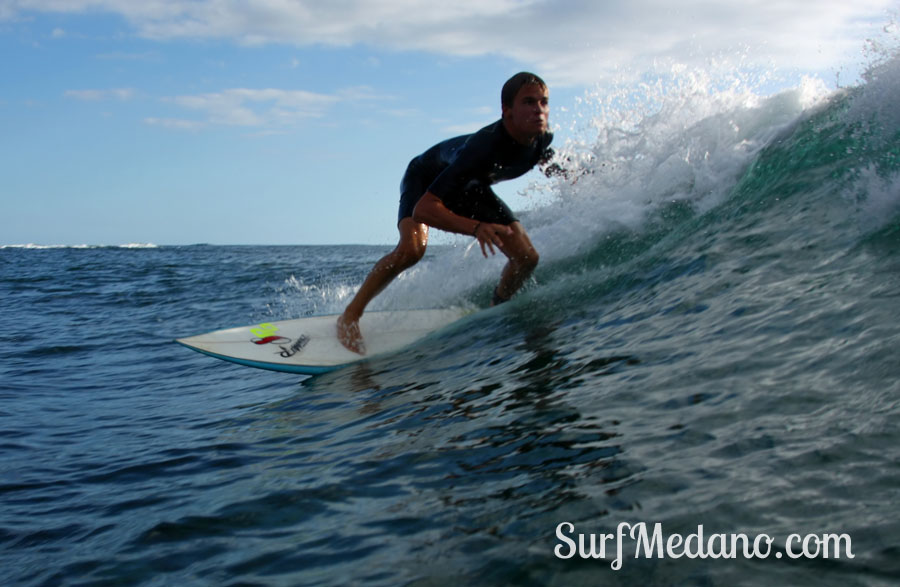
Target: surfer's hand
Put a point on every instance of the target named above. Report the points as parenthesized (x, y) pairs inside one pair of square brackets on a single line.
[(489, 236), (349, 335)]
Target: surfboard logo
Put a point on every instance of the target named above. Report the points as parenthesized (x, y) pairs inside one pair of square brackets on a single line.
[(271, 339), (265, 334), (295, 348), (264, 330)]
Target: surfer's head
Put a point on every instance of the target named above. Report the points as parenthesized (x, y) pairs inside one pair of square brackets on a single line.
[(517, 82), (525, 100)]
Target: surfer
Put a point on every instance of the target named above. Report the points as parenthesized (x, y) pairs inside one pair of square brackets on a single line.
[(448, 187)]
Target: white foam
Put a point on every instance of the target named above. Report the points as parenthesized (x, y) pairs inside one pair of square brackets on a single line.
[(35, 246), (880, 201)]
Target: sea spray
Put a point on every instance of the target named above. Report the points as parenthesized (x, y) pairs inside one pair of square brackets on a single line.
[(636, 152)]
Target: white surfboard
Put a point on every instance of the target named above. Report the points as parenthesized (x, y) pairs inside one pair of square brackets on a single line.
[(310, 345)]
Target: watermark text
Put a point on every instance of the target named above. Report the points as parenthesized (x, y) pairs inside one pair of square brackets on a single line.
[(640, 541)]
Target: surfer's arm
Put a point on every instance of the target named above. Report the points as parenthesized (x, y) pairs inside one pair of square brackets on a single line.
[(548, 166), (552, 166), (431, 211)]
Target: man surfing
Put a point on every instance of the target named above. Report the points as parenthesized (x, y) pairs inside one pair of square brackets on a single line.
[(448, 187)]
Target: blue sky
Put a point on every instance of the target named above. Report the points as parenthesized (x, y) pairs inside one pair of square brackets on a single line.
[(291, 122)]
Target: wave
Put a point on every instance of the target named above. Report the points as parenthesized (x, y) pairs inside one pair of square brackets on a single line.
[(38, 247), (692, 158), (679, 164)]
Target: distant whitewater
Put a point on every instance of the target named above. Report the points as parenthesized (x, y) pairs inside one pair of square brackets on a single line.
[(82, 246)]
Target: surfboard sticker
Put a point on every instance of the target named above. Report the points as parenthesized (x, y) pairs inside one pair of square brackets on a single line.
[(310, 346)]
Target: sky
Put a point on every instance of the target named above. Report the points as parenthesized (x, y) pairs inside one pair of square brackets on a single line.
[(291, 121)]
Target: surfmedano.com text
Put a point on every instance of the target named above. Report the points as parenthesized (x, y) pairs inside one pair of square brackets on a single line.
[(652, 544)]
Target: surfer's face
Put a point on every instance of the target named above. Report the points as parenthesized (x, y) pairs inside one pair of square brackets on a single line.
[(527, 117)]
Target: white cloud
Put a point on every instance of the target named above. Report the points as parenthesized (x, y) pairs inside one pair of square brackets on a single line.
[(99, 95), (175, 123), (569, 41), (257, 108)]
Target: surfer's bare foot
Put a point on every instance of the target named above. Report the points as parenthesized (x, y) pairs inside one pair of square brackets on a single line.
[(497, 299), (349, 335)]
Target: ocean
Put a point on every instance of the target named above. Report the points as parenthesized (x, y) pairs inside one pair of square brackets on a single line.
[(699, 387)]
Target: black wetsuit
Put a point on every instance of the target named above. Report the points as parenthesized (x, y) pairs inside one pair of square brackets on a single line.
[(461, 170)]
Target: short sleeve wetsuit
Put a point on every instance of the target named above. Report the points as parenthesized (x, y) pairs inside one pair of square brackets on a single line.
[(461, 170)]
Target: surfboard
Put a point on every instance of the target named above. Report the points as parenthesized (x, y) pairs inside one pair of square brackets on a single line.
[(309, 346)]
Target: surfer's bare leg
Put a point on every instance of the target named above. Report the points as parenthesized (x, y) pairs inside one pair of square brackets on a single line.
[(523, 258), (410, 249)]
